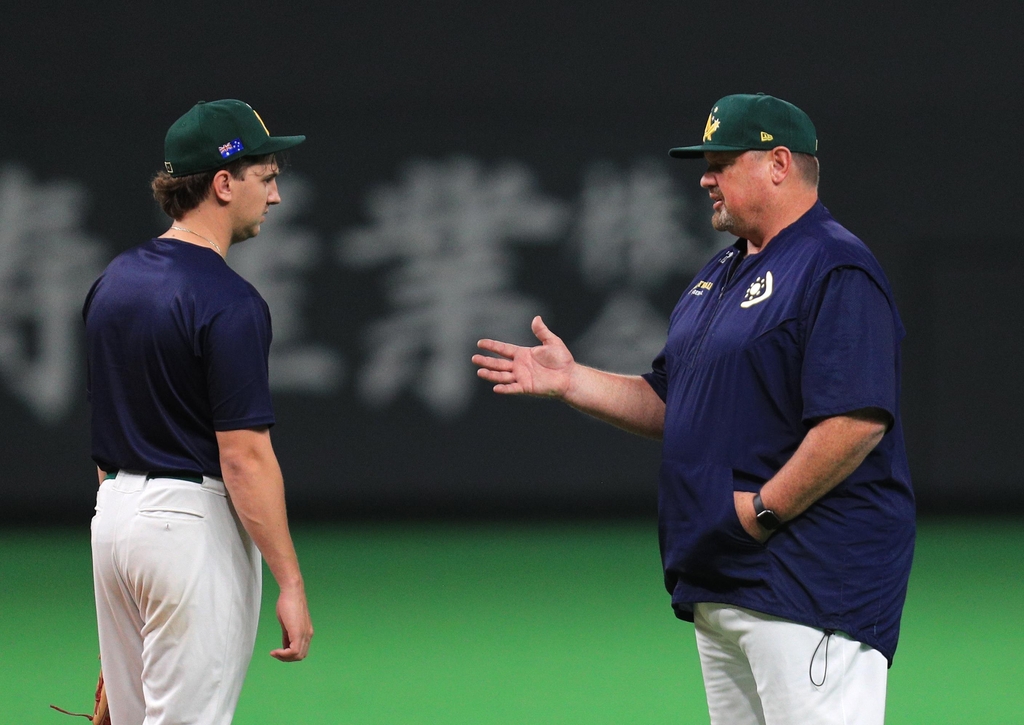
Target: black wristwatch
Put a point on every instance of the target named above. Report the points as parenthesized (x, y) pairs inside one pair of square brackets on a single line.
[(767, 518)]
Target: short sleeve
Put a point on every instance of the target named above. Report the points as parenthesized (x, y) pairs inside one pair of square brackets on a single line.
[(850, 360), (657, 378), (236, 351)]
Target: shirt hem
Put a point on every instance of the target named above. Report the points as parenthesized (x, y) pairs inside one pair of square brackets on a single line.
[(243, 423), (684, 610)]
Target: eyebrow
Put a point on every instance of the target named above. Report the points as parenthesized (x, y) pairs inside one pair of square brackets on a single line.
[(722, 162)]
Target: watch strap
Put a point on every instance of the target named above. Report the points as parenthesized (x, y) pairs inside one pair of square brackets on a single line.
[(767, 518)]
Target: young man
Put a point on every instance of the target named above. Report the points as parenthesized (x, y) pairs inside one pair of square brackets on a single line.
[(786, 512), (190, 489)]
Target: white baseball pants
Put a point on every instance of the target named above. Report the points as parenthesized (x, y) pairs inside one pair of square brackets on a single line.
[(763, 670), (178, 584)]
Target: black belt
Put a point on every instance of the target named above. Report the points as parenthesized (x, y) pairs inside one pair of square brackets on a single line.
[(179, 475)]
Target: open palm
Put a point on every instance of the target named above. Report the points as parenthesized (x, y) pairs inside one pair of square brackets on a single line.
[(544, 370)]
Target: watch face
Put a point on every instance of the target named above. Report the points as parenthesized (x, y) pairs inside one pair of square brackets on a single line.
[(768, 519)]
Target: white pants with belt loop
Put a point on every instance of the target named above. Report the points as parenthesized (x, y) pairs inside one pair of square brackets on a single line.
[(764, 670), (178, 583)]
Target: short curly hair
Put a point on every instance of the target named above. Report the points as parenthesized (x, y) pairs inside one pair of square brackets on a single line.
[(178, 195)]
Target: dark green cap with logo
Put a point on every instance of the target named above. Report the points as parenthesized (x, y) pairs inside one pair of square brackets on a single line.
[(213, 134), (753, 121)]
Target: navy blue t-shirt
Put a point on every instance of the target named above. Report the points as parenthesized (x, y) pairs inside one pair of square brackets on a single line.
[(759, 349), (178, 346)]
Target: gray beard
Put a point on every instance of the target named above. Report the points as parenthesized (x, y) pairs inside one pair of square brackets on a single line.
[(722, 221)]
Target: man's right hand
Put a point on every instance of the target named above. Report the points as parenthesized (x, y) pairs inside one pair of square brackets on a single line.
[(548, 370), (544, 370)]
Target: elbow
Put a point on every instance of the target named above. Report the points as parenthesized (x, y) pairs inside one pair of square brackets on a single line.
[(870, 436), (240, 472), (658, 421), (876, 426), (872, 424), (236, 465), (875, 436)]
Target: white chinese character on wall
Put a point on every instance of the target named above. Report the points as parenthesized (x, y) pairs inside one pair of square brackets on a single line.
[(632, 228), (625, 337), (47, 264), (445, 233), (274, 263), (632, 233)]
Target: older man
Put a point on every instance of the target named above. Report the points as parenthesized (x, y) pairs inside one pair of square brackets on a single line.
[(190, 488), (786, 511)]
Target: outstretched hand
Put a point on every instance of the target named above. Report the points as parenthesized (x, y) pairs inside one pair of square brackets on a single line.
[(544, 370)]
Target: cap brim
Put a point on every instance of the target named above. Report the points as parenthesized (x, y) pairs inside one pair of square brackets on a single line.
[(697, 152), (276, 143)]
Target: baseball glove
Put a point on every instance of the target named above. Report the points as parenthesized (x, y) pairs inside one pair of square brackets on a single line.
[(100, 715)]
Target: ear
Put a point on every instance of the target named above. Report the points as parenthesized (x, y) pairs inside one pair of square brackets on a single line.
[(781, 164), (221, 185)]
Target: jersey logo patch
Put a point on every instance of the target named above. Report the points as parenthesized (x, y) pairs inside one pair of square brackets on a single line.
[(758, 291), (698, 289)]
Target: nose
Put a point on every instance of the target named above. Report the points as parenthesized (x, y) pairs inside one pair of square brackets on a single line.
[(273, 196), (707, 180)]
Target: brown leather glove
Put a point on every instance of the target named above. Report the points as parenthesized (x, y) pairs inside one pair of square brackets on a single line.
[(100, 714)]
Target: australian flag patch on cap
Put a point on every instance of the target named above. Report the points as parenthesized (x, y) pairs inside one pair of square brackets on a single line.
[(231, 148)]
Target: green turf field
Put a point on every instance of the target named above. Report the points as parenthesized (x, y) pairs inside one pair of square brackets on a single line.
[(501, 623)]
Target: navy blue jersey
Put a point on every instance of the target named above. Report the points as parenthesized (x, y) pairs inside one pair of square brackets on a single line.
[(178, 345), (759, 349)]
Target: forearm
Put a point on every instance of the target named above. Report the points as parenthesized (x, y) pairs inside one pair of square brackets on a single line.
[(253, 479), (549, 371), (830, 452), (626, 401)]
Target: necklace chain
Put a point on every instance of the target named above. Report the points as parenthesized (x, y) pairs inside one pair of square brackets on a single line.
[(205, 239)]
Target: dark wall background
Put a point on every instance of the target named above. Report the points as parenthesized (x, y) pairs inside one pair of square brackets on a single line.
[(560, 111)]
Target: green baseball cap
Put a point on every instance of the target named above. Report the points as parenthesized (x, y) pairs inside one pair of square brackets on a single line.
[(753, 121), (213, 134)]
